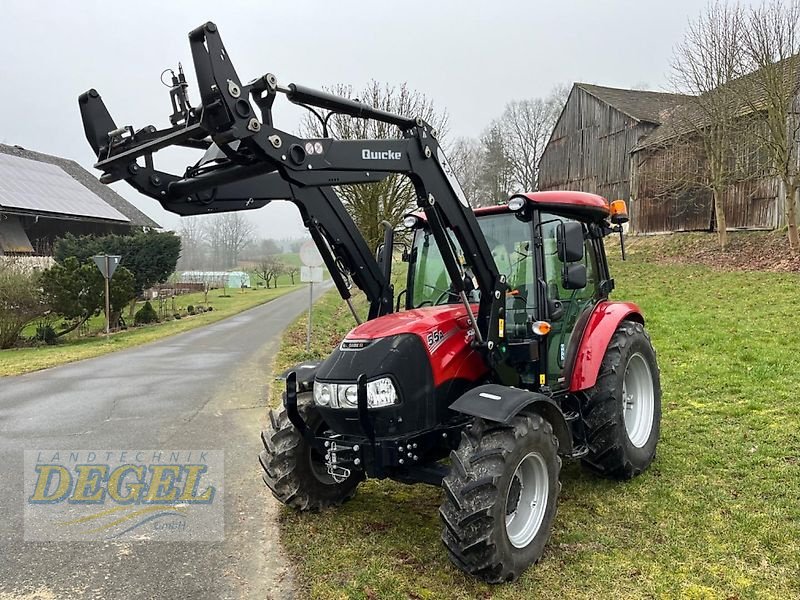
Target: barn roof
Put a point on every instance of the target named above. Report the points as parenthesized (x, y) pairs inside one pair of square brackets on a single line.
[(30, 184), (693, 113), (642, 105)]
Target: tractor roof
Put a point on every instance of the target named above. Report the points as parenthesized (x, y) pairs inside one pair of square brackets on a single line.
[(582, 205)]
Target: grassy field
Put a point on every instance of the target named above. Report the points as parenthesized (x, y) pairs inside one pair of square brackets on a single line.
[(716, 516), (24, 360)]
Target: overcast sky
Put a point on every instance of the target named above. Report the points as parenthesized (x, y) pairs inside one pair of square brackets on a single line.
[(470, 57)]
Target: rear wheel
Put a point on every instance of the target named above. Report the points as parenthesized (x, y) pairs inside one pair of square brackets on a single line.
[(500, 497), (294, 471), (622, 417)]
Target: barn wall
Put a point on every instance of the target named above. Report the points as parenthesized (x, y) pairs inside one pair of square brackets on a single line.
[(590, 148), (668, 193)]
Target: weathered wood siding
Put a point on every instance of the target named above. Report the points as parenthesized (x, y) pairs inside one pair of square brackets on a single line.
[(590, 148), (668, 192), (663, 195)]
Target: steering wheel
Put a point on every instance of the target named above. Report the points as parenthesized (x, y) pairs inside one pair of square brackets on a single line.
[(438, 301), (441, 297)]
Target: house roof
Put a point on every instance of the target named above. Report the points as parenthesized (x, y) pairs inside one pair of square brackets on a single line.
[(691, 114), (29, 192), (642, 105)]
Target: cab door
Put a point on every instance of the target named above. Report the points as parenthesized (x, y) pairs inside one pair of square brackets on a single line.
[(565, 307)]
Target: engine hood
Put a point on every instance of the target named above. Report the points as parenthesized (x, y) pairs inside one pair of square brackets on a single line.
[(418, 321)]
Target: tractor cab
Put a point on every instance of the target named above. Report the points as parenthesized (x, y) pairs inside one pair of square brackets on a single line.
[(548, 246)]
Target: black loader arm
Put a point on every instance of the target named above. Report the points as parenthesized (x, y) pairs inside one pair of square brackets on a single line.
[(255, 161), (344, 251)]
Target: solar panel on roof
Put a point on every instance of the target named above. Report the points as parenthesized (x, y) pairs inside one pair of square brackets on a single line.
[(42, 187)]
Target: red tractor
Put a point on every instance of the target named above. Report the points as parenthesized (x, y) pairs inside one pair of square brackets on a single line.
[(508, 355)]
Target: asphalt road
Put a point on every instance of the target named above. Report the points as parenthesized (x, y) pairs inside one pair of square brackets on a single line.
[(204, 389)]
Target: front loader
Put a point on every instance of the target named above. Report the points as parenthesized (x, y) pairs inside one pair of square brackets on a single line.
[(503, 355)]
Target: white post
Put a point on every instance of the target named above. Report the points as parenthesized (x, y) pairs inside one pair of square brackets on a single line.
[(310, 304), (108, 298)]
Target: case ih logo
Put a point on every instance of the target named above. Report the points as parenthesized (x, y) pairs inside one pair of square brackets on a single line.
[(354, 344), (368, 154)]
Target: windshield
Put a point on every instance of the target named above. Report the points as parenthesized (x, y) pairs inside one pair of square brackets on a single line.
[(509, 240)]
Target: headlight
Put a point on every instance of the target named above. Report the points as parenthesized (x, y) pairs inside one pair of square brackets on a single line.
[(324, 392), (381, 392), (348, 396)]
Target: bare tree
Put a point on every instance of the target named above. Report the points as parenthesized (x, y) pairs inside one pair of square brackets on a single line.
[(771, 42), (269, 269), (466, 158), (706, 64), (526, 126), (392, 198), (227, 234), (213, 236), (192, 243), (496, 179)]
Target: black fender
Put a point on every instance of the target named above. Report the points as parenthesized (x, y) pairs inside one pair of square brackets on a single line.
[(501, 403), (305, 371)]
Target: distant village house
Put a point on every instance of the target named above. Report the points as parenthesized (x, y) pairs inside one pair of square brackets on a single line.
[(44, 197)]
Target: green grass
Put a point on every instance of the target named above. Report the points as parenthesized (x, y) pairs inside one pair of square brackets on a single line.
[(25, 360), (716, 516)]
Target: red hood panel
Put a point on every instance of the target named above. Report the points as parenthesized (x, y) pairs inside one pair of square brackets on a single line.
[(418, 320), (446, 333)]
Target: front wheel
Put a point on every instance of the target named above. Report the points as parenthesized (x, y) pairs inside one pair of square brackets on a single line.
[(500, 497), (622, 417), (294, 471)]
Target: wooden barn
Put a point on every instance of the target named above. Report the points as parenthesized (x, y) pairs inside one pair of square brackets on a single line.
[(43, 197), (590, 147), (670, 172), (636, 145)]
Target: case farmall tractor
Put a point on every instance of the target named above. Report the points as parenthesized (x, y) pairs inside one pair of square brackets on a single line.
[(508, 355)]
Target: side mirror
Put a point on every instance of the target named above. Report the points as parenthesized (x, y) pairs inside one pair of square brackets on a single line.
[(569, 237), (384, 253), (574, 276)]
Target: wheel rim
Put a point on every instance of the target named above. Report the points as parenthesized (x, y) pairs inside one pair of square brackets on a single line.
[(638, 400), (526, 500), (317, 464)]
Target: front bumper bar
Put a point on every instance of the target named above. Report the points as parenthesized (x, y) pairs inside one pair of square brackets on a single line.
[(404, 458)]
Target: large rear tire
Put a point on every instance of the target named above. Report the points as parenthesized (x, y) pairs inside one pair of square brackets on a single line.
[(622, 417), (295, 472), (500, 497)]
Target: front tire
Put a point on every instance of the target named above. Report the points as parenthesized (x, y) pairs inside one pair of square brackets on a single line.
[(622, 417), (500, 497), (294, 471)]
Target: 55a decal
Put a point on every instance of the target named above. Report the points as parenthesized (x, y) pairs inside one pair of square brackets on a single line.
[(436, 338)]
